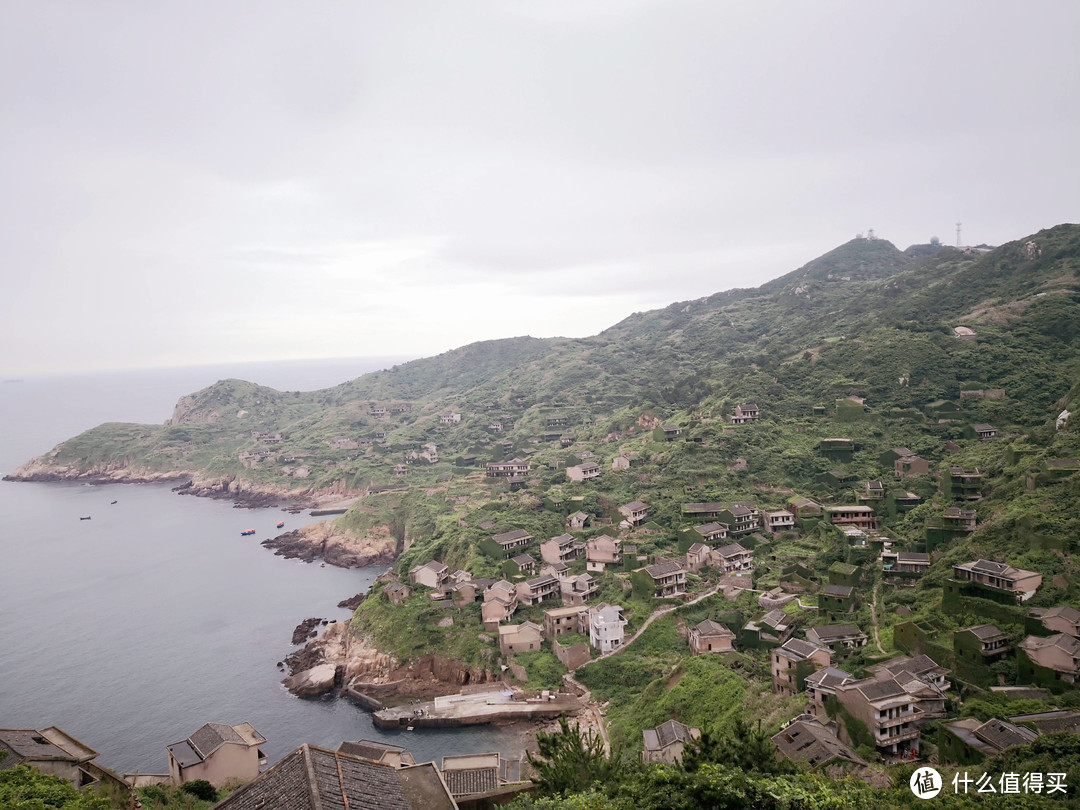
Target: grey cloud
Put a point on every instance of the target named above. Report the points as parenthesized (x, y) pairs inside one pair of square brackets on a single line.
[(166, 166)]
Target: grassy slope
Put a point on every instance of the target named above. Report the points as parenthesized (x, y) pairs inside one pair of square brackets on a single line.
[(864, 319)]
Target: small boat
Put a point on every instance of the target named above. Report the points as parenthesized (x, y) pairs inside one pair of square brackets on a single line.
[(85, 518), (112, 502), (246, 533), (281, 524)]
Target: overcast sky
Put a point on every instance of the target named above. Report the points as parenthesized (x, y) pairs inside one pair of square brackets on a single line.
[(198, 182)]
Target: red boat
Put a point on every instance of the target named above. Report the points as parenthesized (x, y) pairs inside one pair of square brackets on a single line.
[(280, 524), (249, 531)]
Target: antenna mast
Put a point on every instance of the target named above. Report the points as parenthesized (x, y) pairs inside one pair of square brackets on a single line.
[(958, 224)]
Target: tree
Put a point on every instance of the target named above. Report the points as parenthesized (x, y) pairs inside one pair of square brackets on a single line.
[(747, 748), (570, 761), (200, 789), (25, 788)]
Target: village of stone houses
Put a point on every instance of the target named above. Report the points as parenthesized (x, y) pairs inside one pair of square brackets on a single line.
[(818, 629)]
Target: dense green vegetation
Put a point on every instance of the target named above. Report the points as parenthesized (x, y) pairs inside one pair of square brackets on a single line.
[(26, 788), (739, 771)]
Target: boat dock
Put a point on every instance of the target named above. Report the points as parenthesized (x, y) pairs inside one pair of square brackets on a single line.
[(496, 706)]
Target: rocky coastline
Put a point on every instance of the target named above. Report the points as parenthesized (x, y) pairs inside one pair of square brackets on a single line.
[(39, 471), (243, 494), (325, 541), (341, 661)]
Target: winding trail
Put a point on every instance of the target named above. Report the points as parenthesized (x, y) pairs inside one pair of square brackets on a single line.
[(586, 694), (656, 614), (873, 615)]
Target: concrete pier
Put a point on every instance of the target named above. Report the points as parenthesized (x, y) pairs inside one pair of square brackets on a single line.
[(454, 711)]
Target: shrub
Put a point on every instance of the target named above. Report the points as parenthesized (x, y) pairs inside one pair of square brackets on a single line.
[(200, 789)]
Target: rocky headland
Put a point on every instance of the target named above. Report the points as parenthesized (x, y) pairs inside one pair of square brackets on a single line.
[(244, 494), (42, 469), (326, 541), (340, 660)]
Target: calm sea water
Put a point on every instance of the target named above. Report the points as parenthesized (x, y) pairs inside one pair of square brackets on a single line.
[(133, 628)]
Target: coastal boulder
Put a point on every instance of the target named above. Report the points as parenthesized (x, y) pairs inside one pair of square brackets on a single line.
[(312, 682)]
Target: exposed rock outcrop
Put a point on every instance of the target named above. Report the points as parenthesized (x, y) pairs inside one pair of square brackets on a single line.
[(339, 658), (247, 494), (325, 540), (306, 630), (353, 602), (187, 411), (45, 469), (241, 492), (313, 682)]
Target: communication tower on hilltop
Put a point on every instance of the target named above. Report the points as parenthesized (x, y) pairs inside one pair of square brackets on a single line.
[(958, 224), (870, 235)]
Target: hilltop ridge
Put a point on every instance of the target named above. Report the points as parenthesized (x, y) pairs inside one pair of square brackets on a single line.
[(677, 356)]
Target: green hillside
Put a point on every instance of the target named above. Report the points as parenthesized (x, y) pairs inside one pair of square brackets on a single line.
[(868, 345)]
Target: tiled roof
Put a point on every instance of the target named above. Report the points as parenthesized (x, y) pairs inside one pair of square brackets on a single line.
[(731, 550), (1002, 735), (879, 690), (709, 528), (809, 741), (212, 736), (829, 676), (711, 628), (1062, 641), (471, 780), (541, 581), (663, 569), (912, 557), (774, 619), (832, 631), (1067, 613), (311, 777), (511, 536), (985, 631), (842, 591), (666, 734), (28, 744), (919, 666), (798, 649)]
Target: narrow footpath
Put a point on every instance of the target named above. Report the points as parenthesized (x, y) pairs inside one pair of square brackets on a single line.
[(586, 694), (873, 615), (656, 614)]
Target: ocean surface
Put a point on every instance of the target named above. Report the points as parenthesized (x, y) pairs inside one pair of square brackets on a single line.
[(132, 629)]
